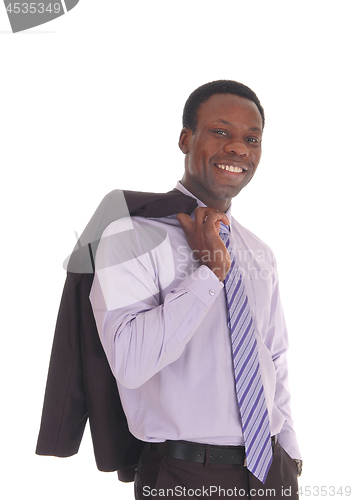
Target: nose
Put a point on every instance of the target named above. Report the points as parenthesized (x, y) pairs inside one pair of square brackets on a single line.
[(236, 148)]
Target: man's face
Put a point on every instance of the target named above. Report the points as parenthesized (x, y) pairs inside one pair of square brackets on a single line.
[(223, 153)]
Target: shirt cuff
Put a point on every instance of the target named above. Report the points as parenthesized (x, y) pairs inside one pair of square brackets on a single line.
[(204, 284), (288, 441)]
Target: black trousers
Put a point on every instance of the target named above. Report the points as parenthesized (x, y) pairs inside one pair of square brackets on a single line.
[(160, 476)]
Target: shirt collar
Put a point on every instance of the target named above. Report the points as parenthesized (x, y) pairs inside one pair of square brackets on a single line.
[(183, 189)]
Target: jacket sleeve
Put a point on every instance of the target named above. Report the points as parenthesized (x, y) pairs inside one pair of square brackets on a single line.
[(64, 413), (80, 385)]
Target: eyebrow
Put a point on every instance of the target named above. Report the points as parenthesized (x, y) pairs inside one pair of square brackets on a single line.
[(253, 129), (225, 122)]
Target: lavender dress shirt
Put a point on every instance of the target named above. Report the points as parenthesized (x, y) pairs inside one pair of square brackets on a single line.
[(162, 321)]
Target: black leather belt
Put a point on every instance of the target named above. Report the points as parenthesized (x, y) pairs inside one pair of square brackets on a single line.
[(195, 452)]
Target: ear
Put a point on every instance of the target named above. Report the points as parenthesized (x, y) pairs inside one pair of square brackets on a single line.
[(184, 140)]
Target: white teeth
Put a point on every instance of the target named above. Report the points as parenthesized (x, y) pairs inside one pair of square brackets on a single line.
[(238, 170)]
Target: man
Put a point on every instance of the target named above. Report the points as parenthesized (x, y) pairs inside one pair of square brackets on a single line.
[(193, 328)]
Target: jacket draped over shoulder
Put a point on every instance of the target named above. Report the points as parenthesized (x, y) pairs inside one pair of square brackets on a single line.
[(80, 384)]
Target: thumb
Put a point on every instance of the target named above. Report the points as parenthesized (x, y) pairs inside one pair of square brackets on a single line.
[(185, 221)]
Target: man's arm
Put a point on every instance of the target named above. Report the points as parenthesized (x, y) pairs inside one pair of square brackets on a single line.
[(139, 334), (277, 342)]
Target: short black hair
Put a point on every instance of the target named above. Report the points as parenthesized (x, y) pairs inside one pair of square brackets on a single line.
[(201, 94)]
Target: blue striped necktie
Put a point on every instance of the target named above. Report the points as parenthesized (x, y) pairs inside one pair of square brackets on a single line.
[(249, 388)]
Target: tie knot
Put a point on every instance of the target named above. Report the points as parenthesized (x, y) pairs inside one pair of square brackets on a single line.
[(223, 229)]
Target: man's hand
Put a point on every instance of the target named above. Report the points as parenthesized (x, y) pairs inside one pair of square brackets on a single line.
[(204, 240)]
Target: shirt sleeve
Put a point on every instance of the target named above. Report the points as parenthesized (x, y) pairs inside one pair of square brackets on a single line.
[(141, 335), (277, 341)]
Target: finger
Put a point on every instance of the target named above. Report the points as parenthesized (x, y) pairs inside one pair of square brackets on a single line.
[(214, 218), (213, 222), (225, 220), (201, 214), (185, 221)]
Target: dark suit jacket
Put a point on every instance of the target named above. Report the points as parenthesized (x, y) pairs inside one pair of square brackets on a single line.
[(80, 384)]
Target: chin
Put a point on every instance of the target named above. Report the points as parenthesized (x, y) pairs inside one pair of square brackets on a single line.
[(229, 192)]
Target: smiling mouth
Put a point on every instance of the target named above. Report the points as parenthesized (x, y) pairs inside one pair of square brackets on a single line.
[(231, 168)]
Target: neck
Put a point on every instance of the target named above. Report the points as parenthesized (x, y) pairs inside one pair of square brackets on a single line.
[(222, 205)]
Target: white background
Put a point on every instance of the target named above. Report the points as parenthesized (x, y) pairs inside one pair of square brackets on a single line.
[(92, 101)]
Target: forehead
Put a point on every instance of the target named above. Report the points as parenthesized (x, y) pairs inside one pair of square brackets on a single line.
[(232, 108)]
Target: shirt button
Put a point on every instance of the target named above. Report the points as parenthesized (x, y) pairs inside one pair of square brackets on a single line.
[(211, 292)]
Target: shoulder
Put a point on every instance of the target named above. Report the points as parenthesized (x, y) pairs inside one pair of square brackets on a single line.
[(118, 226), (131, 237), (137, 223)]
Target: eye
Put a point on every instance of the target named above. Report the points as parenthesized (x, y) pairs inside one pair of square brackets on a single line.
[(253, 140), (220, 132)]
